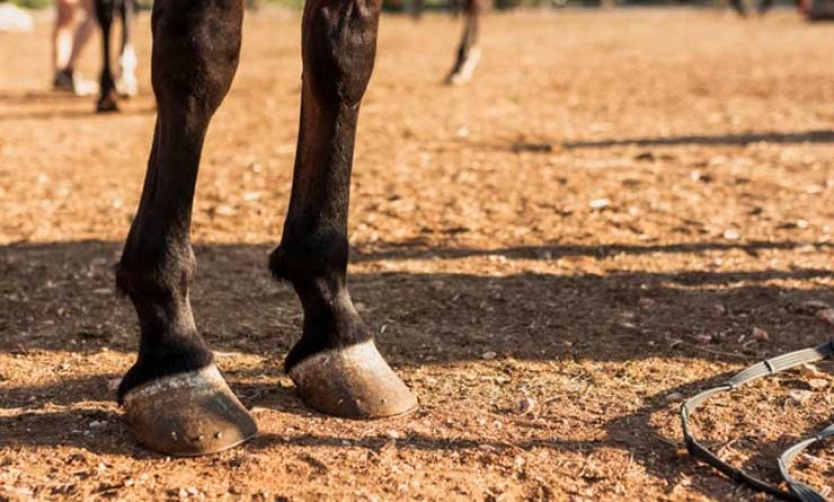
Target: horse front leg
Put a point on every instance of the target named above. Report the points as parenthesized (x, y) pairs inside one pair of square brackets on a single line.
[(174, 396), (335, 365), (469, 54)]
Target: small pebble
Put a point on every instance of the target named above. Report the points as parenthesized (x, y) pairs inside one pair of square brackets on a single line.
[(799, 396), (732, 234), (674, 397), (392, 434), (646, 303), (808, 370), (760, 335), (598, 204), (817, 383), (702, 339), (814, 305), (224, 210), (718, 310), (826, 315), (489, 356), (525, 406)]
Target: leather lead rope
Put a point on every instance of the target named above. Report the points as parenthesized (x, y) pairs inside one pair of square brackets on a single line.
[(798, 491)]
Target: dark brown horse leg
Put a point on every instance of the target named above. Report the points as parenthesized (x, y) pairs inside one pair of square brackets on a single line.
[(764, 7), (107, 99), (469, 54), (739, 7), (335, 365), (174, 397)]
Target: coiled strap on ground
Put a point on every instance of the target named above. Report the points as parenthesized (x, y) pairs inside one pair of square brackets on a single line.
[(798, 491)]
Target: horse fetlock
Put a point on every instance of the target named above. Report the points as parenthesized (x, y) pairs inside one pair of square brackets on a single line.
[(305, 254), (155, 270), (164, 353)]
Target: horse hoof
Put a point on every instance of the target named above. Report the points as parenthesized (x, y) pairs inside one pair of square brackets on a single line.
[(107, 105), (189, 414), (463, 72), (353, 382)]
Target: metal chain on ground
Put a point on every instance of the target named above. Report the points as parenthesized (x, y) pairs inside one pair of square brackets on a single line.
[(798, 491)]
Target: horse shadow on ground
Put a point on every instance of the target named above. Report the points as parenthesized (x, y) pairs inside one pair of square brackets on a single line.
[(61, 297), (810, 136), (71, 114), (63, 105), (58, 297), (739, 140)]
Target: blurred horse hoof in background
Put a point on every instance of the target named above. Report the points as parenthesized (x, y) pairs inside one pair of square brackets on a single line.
[(107, 104)]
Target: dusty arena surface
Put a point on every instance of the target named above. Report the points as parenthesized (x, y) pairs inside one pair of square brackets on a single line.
[(623, 209)]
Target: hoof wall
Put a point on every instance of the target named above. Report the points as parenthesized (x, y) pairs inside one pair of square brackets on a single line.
[(188, 415), (354, 382), (466, 69), (107, 105)]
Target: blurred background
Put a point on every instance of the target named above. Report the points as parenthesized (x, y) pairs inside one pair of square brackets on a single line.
[(447, 5)]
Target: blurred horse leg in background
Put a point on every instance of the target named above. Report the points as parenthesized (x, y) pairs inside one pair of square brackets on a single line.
[(764, 6), (105, 10), (469, 53), (416, 8), (126, 85)]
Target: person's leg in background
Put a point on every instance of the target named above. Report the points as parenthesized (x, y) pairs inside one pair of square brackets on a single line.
[(68, 44)]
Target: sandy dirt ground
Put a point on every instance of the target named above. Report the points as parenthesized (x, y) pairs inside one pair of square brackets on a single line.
[(625, 208)]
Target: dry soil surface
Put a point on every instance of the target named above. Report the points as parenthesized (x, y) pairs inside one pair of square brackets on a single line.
[(624, 208)]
